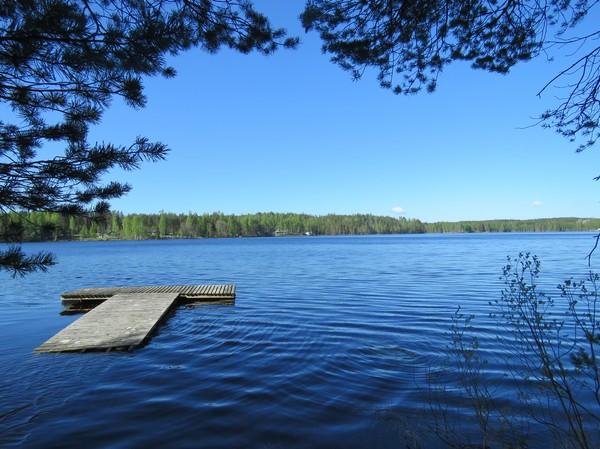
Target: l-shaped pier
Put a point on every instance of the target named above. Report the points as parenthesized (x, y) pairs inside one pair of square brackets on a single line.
[(124, 317)]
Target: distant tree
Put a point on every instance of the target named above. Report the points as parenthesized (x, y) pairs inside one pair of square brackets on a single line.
[(115, 226), (189, 226), (162, 225), (93, 233), (137, 227), (410, 42), (84, 233), (61, 63), (72, 226)]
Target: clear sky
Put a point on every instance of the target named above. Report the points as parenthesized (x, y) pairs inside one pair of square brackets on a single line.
[(293, 133)]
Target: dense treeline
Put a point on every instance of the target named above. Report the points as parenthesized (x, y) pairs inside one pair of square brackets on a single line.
[(535, 225), (37, 226), (41, 226)]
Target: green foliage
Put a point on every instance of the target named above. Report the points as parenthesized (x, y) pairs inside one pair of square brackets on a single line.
[(535, 225), (162, 225), (40, 226), (61, 64), (167, 225)]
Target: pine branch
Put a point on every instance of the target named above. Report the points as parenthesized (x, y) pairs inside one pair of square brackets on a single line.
[(18, 263)]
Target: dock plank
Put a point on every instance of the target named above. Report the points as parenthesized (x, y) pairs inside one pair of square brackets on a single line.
[(125, 320), (186, 292)]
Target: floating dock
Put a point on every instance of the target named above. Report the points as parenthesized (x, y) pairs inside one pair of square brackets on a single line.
[(124, 317), (88, 298)]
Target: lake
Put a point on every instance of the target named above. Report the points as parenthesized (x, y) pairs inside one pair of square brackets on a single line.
[(331, 343)]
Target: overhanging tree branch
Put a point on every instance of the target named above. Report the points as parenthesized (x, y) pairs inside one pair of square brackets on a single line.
[(409, 43), (66, 60)]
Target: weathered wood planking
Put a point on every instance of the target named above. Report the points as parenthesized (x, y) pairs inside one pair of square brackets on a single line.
[(185, 292), (123, 321)]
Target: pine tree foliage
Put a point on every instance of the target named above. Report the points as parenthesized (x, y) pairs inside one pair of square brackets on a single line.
[(61, 64), (409, 43), (19, 263)]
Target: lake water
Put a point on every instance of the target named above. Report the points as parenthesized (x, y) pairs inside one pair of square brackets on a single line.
[(330, 343)]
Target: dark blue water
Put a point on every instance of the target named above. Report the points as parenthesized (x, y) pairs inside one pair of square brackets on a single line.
[(330, 343)]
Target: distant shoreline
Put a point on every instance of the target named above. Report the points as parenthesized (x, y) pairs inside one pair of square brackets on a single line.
[(593, 232), (46, 226)]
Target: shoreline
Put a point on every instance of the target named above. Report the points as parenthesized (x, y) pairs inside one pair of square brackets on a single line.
[(111, 239)]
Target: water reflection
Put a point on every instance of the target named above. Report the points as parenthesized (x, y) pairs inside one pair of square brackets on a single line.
[(330, 344)]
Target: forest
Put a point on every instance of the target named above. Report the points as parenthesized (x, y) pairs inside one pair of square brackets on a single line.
[(48, 226)]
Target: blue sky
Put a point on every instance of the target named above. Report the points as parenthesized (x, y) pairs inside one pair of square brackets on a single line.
[(292, 132)]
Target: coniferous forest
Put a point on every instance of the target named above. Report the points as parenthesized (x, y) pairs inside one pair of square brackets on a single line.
[(46, 226)]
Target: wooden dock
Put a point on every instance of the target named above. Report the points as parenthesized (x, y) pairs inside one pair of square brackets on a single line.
[(124, 317), (186, 293)]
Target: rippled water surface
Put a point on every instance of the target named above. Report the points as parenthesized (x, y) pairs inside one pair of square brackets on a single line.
[(329, 343)]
